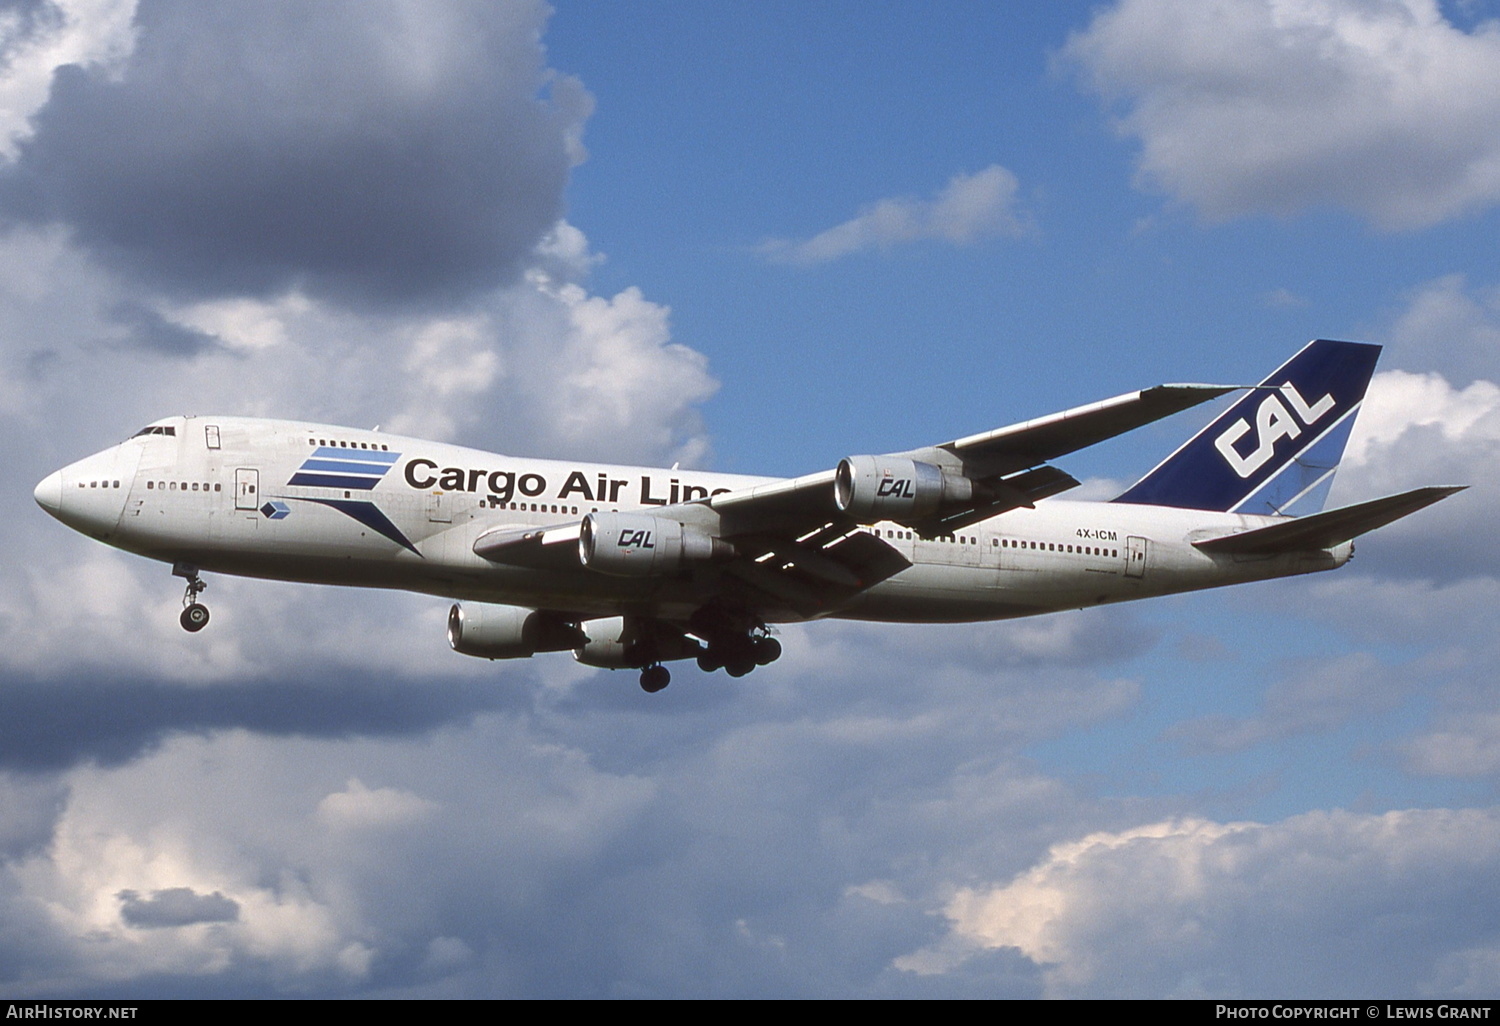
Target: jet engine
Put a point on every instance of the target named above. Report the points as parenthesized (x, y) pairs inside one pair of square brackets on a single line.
[(638, 545), (508, 632), (875, 488)]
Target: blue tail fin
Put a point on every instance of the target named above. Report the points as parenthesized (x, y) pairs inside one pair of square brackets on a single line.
[(1275, 450)]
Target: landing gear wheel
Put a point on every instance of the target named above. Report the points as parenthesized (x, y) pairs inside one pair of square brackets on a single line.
[(194, 613), (739, 666), (767, 651), (654, 678)]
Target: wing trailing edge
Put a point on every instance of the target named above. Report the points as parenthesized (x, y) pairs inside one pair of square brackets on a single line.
[(1329, 528)]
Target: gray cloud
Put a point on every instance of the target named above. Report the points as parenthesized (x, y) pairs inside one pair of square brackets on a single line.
[(149, 330), (1318, 697), (377, 152), (176, 906)]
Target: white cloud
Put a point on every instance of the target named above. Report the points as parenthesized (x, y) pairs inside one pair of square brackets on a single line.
[(1398, 401), (967, 209), (1193, 908), (1451, 326), (1463, 745), (1245, 106)]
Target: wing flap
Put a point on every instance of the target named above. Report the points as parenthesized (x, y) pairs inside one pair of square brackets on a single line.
[(814, 575), (1330, 528)]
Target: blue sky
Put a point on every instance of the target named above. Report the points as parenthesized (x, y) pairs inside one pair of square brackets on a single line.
[(756, 237)]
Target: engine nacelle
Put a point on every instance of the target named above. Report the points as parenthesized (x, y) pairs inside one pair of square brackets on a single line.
[(615, 643), (875, 488), (492, 631), (638, 545)]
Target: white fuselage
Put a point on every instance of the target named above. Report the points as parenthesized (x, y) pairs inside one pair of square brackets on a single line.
[(271, 499)]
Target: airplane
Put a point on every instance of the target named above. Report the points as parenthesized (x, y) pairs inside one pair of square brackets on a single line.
[(634, 567)]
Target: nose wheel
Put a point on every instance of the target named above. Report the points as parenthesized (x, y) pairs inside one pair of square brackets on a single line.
[(194, 613)]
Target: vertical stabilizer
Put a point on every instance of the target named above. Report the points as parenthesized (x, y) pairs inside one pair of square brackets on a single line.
[(1275, 450)]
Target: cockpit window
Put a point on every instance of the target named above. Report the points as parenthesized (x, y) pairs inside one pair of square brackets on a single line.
[(155, 429)]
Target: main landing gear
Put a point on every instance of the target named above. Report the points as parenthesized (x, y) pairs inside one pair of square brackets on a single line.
[(730, 641), (737, 656), (194, 613), (654, 678), (737, 644)]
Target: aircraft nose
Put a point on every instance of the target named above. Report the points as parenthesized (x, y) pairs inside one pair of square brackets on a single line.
[(48, 492)]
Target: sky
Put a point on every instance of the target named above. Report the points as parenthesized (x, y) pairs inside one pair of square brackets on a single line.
[(755, 238)]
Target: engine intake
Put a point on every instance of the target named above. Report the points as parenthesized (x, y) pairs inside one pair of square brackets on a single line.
[(492, 631), (637, 545), (875, 488)]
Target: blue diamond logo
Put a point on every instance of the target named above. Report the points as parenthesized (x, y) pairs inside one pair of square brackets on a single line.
[(276, 510)]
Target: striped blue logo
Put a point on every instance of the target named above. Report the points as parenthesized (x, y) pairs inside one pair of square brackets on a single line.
[(331, 467)]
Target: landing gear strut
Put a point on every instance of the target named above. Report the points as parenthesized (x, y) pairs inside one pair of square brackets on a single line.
[(194, 613)]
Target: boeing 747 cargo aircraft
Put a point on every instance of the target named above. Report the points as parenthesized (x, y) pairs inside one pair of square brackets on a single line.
[(636, 567)]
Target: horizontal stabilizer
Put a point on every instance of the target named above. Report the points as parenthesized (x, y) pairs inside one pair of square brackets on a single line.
[(1330, 528)]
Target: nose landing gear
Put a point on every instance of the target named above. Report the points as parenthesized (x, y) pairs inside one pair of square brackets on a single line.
[(194, 613)]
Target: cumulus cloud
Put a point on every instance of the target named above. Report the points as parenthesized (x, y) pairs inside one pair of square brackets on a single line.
[(226, 157), (1195, 908), (969, 208), (1385, 108), (1419, 429)]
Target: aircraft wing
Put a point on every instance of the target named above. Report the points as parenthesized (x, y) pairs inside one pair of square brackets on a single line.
[(1329, 528), (798, 545), (1006, 464)]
